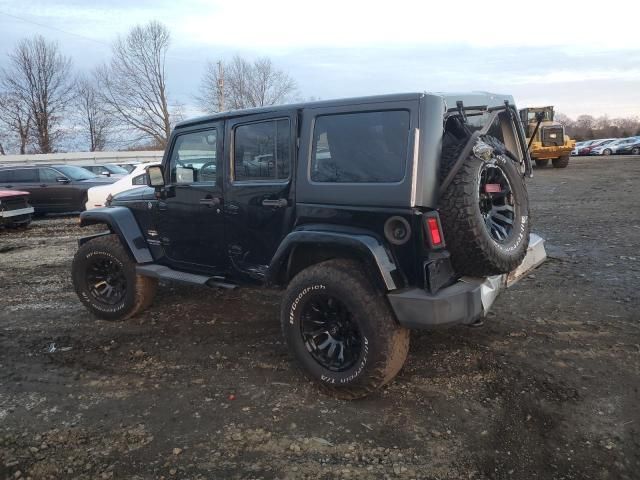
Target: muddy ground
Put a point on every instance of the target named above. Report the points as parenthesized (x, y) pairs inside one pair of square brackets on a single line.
[(201, 385)]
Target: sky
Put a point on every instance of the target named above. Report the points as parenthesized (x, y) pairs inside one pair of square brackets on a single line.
[(582, 57)]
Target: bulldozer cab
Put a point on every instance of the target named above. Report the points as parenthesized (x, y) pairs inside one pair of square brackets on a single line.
[(531, 116)]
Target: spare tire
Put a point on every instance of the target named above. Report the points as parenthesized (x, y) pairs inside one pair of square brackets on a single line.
[(485, 210)]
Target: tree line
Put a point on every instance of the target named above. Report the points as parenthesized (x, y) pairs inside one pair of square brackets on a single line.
[(588, 127), (124, 101)]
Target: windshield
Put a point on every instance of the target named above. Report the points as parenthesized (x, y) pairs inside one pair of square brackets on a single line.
[(547, 115), (116, 170), (76, 173)]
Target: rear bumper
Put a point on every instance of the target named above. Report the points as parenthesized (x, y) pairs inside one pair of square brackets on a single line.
[(462, 303), (15, 213)]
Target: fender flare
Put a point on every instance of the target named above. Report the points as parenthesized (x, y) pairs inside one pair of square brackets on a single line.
[(362, 242), (121, 222)]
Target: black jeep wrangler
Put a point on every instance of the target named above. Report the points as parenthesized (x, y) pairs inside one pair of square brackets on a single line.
[(376, 215)]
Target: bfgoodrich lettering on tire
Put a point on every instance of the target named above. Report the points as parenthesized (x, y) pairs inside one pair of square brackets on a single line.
[(341, 330), (105, 279)]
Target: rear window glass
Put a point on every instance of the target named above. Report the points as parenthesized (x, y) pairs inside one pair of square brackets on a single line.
[(367, 147)]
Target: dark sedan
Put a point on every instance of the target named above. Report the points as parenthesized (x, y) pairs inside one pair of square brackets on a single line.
[(53, 188), (629, 149)]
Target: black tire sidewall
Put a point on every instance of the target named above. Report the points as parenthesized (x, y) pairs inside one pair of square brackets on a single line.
[(89, 252), (297, 296)]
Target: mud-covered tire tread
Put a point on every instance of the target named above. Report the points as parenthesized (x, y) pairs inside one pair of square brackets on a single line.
[(472, 251), (145, 287), (349, 275), (561, 162)]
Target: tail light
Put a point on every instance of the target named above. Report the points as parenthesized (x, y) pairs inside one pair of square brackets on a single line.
[(434, 238)]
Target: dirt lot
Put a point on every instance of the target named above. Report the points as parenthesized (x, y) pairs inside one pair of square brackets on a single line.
[(201, 386)]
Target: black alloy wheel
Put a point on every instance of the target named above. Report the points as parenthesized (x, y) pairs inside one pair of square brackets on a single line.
[(496, 202), (106, 281), (329, 333)]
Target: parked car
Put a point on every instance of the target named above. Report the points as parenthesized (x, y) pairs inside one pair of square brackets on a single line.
[(98, 196), (107, 170), (15, 210), (338, 202), (612, 147), (629, 148), (53, 188), (586, 150), (579, 145)]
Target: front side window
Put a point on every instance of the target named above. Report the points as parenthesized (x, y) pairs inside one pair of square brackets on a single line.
[(367, 147), (49, 175), (139, 179), (262, 151), (194, 158), (76, 173)]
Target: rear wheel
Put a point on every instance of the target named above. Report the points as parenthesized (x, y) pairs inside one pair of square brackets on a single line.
[(341, 330), (561, 162), (635, 151), (542, 163), (105, 279)]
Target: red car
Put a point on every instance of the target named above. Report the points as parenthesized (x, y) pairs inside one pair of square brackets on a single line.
[(15, 210), (587, 150)]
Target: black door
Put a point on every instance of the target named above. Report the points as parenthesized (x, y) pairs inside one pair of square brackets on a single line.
[(56, 195), (189, 219), (258, 197)]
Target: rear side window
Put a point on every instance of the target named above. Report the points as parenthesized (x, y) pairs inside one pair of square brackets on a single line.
[(367, 147), (262, 151), (24, 175)]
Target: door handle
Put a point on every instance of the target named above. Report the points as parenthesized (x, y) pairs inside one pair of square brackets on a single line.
[(278, 203), (210, 201), (43, 184)]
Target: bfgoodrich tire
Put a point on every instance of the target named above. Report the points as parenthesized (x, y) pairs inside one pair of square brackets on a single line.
[(561, 162), (341, 330), (485, 213), (105, 279)]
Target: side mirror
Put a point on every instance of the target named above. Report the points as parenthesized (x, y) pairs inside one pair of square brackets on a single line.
[(62, 180), (106, 174), (155, 176)]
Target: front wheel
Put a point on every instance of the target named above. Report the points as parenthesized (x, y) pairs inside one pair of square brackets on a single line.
[(561, 162), (635, 151), (341, 329), (606, 151), (105, 279)]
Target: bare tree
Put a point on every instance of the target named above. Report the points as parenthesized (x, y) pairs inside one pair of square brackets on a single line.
[(17, 119), (243, 84), (95, 121), (133, 85), (39, 78)]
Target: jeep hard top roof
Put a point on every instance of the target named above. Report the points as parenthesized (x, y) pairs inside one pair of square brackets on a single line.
[(479, 100)]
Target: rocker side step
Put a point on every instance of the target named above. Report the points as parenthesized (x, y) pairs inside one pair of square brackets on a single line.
[(165, 273)]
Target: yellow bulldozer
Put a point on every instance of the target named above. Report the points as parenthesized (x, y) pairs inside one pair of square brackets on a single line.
[(546, 137)]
